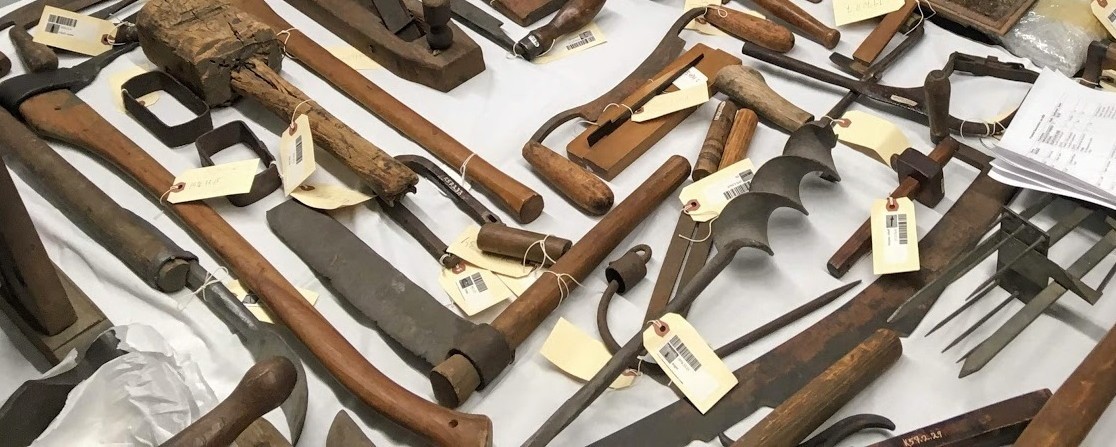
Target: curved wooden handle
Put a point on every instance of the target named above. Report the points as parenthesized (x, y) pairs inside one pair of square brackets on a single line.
[(748, 89), (264, 387), (806, 410), (582, 188), (573, 15), (740, 137), (35, 56), (798, 18), (749, 28), (62, 115)]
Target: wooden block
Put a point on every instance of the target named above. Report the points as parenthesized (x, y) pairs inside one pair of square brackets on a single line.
[(526, 12), (991, 17)]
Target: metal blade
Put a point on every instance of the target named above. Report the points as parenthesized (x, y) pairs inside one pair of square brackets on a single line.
[(29, 14), (966, 305), (15, 90), (482, 22), (110, 11), (956, 270), (346, 433), (400, 308)]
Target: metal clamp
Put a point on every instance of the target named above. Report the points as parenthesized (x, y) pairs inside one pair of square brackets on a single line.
[(224, 137), (172, 136)]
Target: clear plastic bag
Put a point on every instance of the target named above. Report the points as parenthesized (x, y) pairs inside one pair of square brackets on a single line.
[(1055, 34)]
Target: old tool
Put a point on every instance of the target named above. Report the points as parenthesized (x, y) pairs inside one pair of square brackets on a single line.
[(991, 426), (740, 137), (180, 134), (742, 224), (266, 385), (747, 88), (145, 250), (480, 355), (251, 56), (408, 57), (773, 377), (873, 45), (35, 56), (480, 21), (573, 15), (585, 190), (527, 246), (230, 134), (27, 16), (1100, 56), (344, 432), (507, 192), (47, 104), (526, 12), (992, 19), (834, 434), (398, 20), (713, 147), (788, 12)]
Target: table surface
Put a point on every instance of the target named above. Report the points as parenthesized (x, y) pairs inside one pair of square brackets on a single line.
[(494, 114)]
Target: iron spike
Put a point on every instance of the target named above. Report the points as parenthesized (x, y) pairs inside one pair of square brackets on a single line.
[(957, 312), (980, 322), (994, 279)]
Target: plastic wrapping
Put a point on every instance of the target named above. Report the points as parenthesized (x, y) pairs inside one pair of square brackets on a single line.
[(1055, 34)]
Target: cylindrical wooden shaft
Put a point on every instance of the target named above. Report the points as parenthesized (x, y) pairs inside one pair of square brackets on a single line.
[(798, 18), (746, 87), (582, 188), (510, 194), (521, 244), (709, 159), (792, 421), (749, 28), (573, 15), (35, 56), (740, 137), (63, 116), (878, 39), (264, 387), (525, 314), (436, 13), (938, 91)]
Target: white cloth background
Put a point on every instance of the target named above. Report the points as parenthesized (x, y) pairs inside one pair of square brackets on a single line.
[(494, 114)]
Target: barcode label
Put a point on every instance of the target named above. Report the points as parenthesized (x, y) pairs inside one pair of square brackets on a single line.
[(472, 284), (60, 25), (1112, 17), (896, 225), (298, 150), (584, 38), (740, 185), (674, 349)]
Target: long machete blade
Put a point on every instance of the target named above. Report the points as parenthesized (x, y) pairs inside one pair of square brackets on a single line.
[(400, 308)]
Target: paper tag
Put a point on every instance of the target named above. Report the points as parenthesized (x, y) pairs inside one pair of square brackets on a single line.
[(74, 31), (473, 289), (849, 11), (670, 102), (871, 135), (214, 181), (701, 25), (691, 78), (465, 246), (689, 361), (583, 39), (521, 284), (706, 198), (353, 57), (1105, 11), (579, 354), (894, 237), (296, 154), (259, 309), (328, 197), (117, 80)]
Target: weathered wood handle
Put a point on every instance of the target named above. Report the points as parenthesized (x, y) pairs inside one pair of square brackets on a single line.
[(712, 149), (740, 137), (455, 379), (749, 28), (572, 16), (62, 115), (436, 14), (510, 194), (938, 91), (35, 56), (582, 188), (798, 18), (802, 413), (746, 87), (871, 47), (521, 244), (264, 387)]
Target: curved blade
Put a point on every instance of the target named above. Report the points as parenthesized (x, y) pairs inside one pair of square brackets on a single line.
[(346, 433)]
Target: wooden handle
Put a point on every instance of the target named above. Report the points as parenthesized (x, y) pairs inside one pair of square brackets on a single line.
[(581, 187), (35, 56), (740, 137), (798, 18), (1100, 56), (387, 177), (709, 159), (938, 91), (264, 387), (436, 14), (806, 410), (510, 194), (62, 115), (878, 39), (573, 15), (261, 434), (521, 244), (746, 87), (5, 64), (749, 28)]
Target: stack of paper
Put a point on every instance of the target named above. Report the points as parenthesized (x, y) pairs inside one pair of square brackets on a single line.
[(1062, 141)]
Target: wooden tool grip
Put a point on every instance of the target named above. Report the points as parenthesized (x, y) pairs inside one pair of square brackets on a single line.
[(878, 39), (802, 413), (521, 244), (713, 147), (740, 137), (524, 204), (749, 28), (746, 87), (582, 188), (62, 115), (35, 56), (572, 16), (264, 387), (436, 14), (938, 91), (860, 243), (387, 177), (5, 64), (798, 18)]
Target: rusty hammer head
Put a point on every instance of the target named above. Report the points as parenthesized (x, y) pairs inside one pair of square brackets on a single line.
[(201, 42)]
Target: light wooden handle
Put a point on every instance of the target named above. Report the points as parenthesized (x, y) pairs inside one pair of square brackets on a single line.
[(581, 187), (878, 39), (798, 18), (35, 56), (748, 89), (740, 137), (749, 28)]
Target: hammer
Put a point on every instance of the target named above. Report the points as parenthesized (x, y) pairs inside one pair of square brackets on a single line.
[(221, 53)]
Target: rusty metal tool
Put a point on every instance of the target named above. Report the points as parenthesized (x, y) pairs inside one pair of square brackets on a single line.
[(990, 426), (344, 432), (773, 377), (37, 57), (27, 16), (873, 45), (48, 104), (742, 224), (581, 187), (806, 23), (834, 434), (573, 15), (480, 21)]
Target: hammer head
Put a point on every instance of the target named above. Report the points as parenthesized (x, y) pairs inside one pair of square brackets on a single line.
[(201, 42)]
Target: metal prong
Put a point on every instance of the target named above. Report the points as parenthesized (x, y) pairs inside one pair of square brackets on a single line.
[(985, 286), (966, 305), (980, 322)]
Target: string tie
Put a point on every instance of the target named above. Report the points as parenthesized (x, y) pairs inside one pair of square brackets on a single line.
[(210, 279), (464, 181)]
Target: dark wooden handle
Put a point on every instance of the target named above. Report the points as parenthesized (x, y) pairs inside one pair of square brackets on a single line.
[(35, 56), (524, 204), (740, 137), (581, 187), (521, 244), (1100, 56), (749, 28), (709, 159), (264, 387), (573, 15), (938, 91), (436, 14), (806, 410), (798, 18), (746, 87), (878, 39), (5, 64), (62, 115)]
